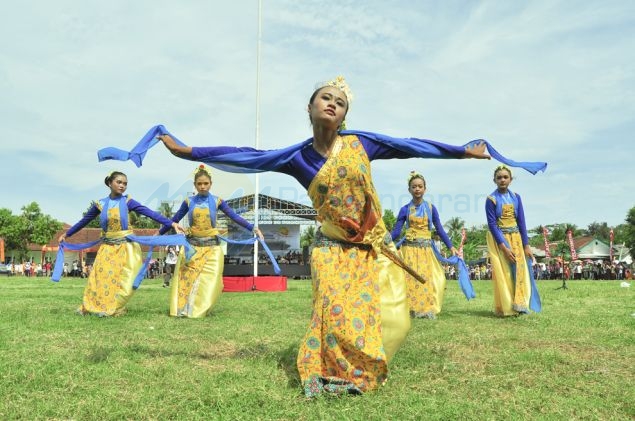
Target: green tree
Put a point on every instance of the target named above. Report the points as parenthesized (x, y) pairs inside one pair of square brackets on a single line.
[(537, 240), (599, 230), (95, 222), (389, 219), (629, 231), (307, 237), (10, 228), (453, 227), (31, 227), (166, 210), (141, 221), (475, 240), (558, 232)]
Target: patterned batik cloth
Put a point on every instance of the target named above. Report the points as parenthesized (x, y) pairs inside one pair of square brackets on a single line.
[(424, 300), (197, 284), (360, 315), (512, 284), (109, 285)]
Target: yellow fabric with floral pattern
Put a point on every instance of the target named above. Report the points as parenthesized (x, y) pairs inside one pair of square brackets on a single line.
[(510, 297), (424, 300), (109, 285), (201, 222), (197, 284), (360, 315)]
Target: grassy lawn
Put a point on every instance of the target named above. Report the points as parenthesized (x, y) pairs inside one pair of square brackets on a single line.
[(572, 361)]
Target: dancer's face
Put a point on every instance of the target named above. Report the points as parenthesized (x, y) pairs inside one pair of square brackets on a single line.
[(329, 107), (503, 179), (118, 185), (203, 184), (417, 188)]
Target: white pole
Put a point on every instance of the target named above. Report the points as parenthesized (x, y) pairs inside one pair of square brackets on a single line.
[(257, 187)]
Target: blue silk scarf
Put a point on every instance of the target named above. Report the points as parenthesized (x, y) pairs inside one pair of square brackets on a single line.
[(152, 241), (253, 161)]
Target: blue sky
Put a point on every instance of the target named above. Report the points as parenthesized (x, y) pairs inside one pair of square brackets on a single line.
[(541, 80)]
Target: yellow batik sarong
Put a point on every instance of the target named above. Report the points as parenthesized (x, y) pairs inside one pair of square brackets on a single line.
[(512, 285), (109, 285), (360, 314), (197, 284), (424, 300)]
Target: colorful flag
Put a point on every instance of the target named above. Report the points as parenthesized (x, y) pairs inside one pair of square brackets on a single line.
[(463, 236), (545, 233), (574, 255)]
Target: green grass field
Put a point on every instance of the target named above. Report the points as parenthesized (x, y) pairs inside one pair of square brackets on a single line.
[(573, 361)]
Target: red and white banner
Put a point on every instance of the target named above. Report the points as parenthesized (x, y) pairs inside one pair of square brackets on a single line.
[(574, 255), (611, 246), (545, 233), (463, 236)]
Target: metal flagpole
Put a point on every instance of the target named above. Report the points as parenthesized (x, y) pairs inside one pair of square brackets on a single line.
[(257, 187)]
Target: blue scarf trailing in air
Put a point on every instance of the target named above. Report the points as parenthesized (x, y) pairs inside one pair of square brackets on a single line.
[(260, 161)]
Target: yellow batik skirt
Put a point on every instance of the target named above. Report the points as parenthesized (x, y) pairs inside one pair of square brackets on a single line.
[(512, 285), (198, 284), (109, 285), (425, 300), (359, 320)]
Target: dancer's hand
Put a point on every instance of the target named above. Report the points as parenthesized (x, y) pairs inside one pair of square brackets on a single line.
[(258, 233), (528, 253), (62, 238), (179, 229), (174, 148), (477, 151), (508, 253), (454, 251)]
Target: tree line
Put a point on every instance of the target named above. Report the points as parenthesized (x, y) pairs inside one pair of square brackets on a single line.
[(32, 226)]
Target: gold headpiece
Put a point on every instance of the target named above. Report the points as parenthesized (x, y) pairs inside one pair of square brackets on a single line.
[(340, 83), (414, 174), (503, 167), (202, 168)]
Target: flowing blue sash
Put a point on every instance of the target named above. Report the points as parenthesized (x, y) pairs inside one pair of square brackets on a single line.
[(265, 247), (163, 240), (251, 161), (251, 240), (534, 300)]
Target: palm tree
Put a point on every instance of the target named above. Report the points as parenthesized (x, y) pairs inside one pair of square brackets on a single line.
[(166, 210), (307, 237), (453, 227)]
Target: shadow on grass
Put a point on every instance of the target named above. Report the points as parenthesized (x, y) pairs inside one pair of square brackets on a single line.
[(98, 355), (257, 350), (488, 314), (287, 362)]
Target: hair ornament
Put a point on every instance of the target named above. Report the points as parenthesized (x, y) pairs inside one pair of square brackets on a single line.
[(503, 167), (340, 83), (202, 169), (414, 174)]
